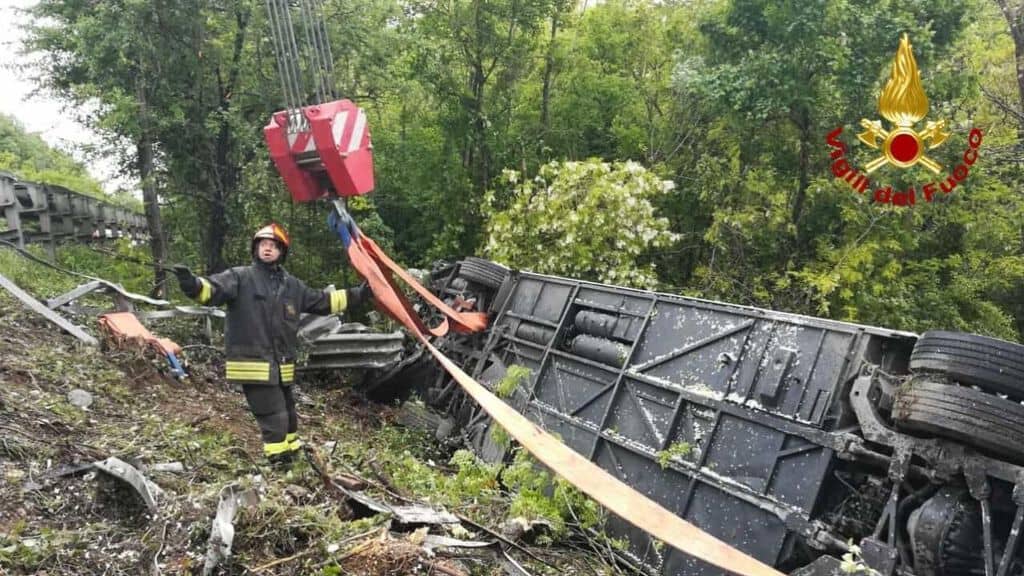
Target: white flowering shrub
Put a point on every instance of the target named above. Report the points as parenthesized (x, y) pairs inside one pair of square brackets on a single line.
[(589, 220)]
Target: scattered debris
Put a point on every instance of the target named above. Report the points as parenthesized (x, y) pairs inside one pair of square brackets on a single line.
[(354, 346), (60, 514), (50, 315), (405, 514), (312, 327), (125, 330), (175, 467), (147, 490), (122, 297), (222, 534), (432, 542)]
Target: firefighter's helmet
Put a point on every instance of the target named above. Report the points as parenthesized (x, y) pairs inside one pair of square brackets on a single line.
[(275, 232)]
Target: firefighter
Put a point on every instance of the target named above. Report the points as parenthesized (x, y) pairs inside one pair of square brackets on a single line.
[(263, 306)]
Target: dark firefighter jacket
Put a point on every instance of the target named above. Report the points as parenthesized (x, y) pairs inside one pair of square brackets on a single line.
[(263, 307)]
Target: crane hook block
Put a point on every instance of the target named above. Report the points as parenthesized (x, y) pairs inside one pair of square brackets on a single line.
[(328, 150)]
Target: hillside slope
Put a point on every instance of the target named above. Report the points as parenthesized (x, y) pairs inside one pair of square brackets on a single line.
[(59, 516)]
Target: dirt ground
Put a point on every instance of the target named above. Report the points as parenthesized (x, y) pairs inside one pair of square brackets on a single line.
[(59, 515)]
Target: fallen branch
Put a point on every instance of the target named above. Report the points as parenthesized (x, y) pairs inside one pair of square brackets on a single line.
[(269, 565), (511, 543)]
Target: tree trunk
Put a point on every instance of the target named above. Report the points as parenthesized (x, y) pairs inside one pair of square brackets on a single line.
[(1014, 15), (549, 67), (481, 167), (225, 171), (217, 232), (803, 122), (144, 154)]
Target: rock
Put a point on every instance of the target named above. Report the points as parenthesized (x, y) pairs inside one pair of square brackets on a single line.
[(80, 398), (297, 493), (31, 486), (520, 528), (176, 467), (445, 428)]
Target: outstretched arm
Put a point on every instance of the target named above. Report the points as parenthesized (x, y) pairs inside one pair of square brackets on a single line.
[(325, 302), (218, 289)]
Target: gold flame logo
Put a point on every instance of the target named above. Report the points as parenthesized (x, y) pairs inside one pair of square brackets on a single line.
[(903, 103)]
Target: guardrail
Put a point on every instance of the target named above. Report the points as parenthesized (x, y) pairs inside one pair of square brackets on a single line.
[(47, 213)]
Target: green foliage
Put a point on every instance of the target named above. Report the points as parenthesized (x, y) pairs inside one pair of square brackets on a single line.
[(125, 267), (537, 497), (474, 483), (29, 158), (589, 220), (728, 99), (515, 376), (676, 450), (500, 436)]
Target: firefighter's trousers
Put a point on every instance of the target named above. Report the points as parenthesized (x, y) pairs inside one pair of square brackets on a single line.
[(273, 406)]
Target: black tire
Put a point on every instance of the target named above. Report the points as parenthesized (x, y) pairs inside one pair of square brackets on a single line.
[(969, 416), (989, 363), (502, 295), (483, 272)]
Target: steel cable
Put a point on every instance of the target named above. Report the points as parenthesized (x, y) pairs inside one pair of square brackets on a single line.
[(314, 54), (281, 60), (320, 27), (287, 56), (289, 29)]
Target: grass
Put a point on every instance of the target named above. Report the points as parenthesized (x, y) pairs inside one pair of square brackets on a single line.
[(140, 416)]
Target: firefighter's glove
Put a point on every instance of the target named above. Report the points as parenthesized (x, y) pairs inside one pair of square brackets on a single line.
[(358, 295), (187, 280)]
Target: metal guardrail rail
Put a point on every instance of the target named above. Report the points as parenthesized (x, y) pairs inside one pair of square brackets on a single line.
[(47, 213)]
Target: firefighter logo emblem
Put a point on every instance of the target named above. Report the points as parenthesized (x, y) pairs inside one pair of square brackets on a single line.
[(903, 103)]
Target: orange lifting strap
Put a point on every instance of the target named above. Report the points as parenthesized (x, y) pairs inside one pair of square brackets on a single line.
[(377, 268)]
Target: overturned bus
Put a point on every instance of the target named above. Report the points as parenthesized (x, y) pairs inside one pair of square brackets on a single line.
[(790, 437)]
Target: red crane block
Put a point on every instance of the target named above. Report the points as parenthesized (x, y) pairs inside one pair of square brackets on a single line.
[(332, 154)]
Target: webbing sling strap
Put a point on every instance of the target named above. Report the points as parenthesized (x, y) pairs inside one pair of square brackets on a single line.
[(377, 268), (592, 480)]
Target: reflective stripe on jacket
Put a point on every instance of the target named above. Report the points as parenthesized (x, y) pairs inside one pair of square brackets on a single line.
[(263, 307)]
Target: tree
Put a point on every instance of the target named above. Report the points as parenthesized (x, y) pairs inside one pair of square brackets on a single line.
[(590, 220), (122, 66), (476, 51), (30, 158), (1014, 14)]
